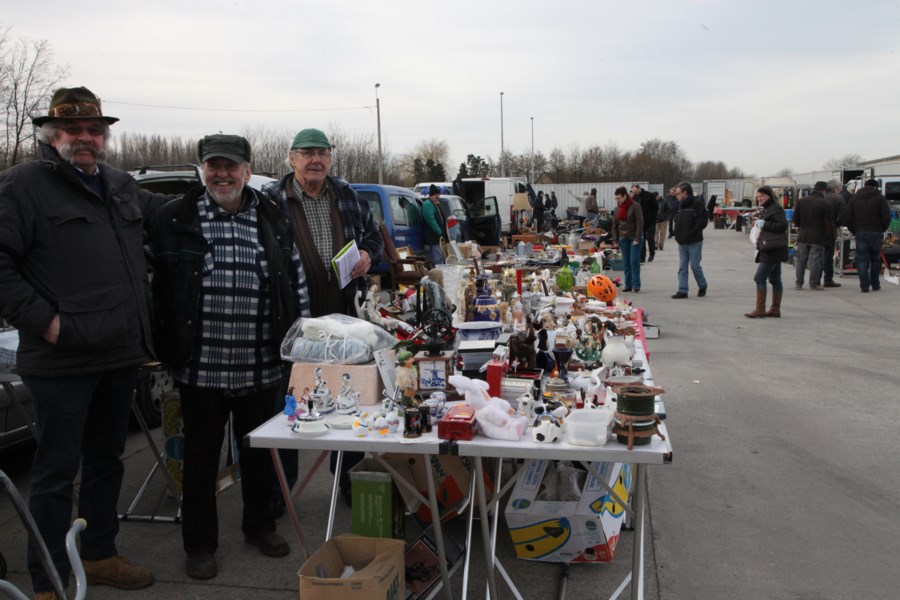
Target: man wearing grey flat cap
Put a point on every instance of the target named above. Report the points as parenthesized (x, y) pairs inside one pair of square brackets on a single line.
[(73, 281), (227, 285)]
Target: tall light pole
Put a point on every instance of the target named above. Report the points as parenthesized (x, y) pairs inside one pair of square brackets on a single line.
[(532, 150), (502, 162), (380, 157)]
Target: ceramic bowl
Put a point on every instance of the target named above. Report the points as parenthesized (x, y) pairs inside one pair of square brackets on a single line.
[(478, 330)]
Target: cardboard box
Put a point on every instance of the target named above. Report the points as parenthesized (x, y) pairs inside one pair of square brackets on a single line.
[(586, 530), (377, 509), (379, 565), (423, 567), (451, 482), (364, 378)]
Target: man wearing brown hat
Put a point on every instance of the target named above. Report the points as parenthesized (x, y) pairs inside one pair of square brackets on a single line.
[(815, 226), (227, 285), (73, 281), (326, 214)]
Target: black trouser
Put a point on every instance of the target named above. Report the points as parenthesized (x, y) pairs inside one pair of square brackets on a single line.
[(538, 222), (205, 413), (828, 260), (672, 227), (649, 242)]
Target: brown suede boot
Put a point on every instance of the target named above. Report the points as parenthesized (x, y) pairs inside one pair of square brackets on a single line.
[(775, 310), (760, 311), (117, 572)]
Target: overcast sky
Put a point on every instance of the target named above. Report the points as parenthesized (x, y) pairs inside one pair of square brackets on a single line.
[(761, 85)]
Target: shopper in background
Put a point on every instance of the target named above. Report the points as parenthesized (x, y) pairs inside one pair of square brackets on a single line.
[(868, 217), (435, 223), (73, 281), (662, 220), (649, 207), (227, 285), (537, 213), (836, 202), (815, 227), (673, 210), (628, 228), (772, 250), (690, 221)]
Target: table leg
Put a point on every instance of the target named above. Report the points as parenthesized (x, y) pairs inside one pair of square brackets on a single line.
[(489, 540), (637, 553), (11, 394), (288, 501), (470, 519), (335, 485), (438, 532)]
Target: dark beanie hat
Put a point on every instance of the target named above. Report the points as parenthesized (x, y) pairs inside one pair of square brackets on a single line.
[(433, 189), (820, 186), (872, 183), (768, 191)]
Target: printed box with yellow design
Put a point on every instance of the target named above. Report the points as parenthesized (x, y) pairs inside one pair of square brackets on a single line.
[(586, 530)]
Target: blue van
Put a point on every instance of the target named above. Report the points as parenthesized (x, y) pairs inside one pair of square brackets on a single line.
[(398, 208)]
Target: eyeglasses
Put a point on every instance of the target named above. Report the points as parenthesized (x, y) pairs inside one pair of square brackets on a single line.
[(76, 130), (309, 153)]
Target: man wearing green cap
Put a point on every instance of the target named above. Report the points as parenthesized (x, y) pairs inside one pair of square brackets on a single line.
[(326, 214), (227, 285), (73, 281)]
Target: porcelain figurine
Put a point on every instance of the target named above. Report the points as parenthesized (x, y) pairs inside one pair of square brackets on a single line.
[(348, 397), (407, 378)]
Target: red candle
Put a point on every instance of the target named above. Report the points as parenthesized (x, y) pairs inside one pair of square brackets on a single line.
[(519, 281)]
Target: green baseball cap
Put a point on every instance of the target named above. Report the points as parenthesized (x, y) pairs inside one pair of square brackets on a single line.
[(310, 138)]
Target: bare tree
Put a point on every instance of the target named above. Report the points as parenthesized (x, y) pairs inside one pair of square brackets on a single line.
[(27, 78), (848, 160)]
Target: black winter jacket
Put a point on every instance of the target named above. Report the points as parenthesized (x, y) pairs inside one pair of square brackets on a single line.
[(867, 210), (649, 208), (690, 221), (179, 250), (775, 229), (814, 220), (66, 250)]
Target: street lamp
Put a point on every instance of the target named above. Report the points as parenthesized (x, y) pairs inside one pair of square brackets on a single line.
[(502, 162), (380, 157), (532, 150)]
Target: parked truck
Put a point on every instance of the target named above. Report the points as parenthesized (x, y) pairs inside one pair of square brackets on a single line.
[(474, 189)]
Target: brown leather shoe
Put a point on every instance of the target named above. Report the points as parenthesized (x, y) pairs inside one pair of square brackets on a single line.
[(117, 572), (831, 284)]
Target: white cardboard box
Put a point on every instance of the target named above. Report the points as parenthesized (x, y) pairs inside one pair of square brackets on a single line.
[(583, 531)]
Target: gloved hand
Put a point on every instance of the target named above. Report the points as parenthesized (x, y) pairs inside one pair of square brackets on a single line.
[(760, 223)]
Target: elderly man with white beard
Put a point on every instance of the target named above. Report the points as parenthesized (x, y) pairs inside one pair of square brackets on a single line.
[(227, 285)]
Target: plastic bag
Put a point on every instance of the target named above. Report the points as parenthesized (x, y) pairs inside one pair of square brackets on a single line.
[(334, 339), (754, 234)]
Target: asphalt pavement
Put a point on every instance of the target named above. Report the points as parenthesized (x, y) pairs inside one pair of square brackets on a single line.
[(784, 483)]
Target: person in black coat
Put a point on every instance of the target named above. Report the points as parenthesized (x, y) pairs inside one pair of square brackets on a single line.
[(772, 250), (649, 208)]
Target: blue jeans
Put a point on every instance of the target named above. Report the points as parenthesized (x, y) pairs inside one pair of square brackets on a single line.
[(631, 256), (434, 253), (770, 272), (868, 258), (81, 421), (690, 254)]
